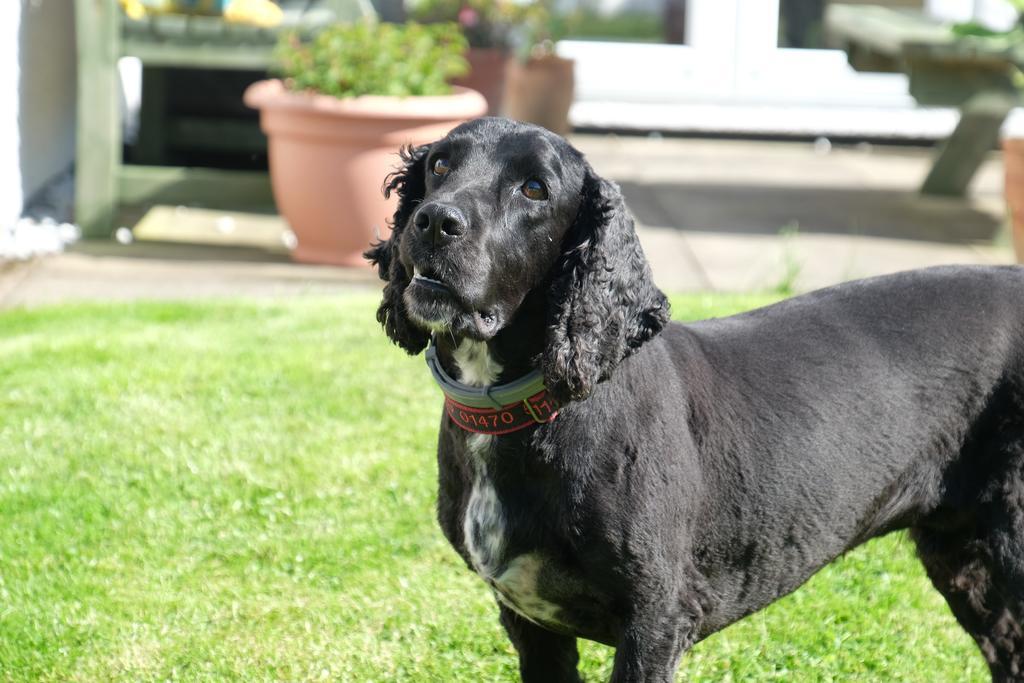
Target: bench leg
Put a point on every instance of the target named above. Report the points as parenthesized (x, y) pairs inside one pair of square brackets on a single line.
[(981, 117), (98, 156)]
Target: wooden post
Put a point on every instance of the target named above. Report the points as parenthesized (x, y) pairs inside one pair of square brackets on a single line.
[(981, 117), (98, 159)]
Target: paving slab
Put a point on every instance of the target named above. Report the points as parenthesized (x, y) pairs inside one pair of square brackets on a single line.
[(732, 215), (803, 262), (189, 225), (103, 272)]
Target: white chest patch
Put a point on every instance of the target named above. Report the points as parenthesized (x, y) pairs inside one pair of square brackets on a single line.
[(516, 587), (475, 364), (476, 367), (483, 526)]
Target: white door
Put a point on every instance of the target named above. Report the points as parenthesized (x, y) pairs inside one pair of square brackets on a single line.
[(766, 72), (732, 75)]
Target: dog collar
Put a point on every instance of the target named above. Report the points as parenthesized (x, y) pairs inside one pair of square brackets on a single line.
[(497, 409)]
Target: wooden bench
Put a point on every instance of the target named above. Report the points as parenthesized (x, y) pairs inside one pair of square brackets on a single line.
[(103, 182), (973, 74)]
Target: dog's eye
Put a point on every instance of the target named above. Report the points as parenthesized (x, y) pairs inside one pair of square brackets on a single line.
[(441, 166), (534, 189)]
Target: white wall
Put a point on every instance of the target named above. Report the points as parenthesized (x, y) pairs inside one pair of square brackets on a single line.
[(10, 138), (48, 65), (37, 98)]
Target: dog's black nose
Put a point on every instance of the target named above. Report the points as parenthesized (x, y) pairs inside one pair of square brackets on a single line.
[(440, 223)]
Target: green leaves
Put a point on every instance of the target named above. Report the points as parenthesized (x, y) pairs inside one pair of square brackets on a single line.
[(349, 60), (974, 29)]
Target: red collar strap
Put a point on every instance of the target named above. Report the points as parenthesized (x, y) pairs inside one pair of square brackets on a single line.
[(497, 409), (537, 409)]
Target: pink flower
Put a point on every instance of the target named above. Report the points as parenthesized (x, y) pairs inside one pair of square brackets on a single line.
[(468, 17)]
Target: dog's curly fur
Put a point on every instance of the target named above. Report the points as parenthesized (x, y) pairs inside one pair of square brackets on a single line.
[(603, 303), (407, 182), (696, 473)]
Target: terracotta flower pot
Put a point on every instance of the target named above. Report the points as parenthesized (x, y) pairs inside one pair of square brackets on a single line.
[(1013, 167), (540, 91), (329, 158), (486, 75)]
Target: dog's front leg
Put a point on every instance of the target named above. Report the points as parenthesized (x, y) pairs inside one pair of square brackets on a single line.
[(654, 640), (543, 655)]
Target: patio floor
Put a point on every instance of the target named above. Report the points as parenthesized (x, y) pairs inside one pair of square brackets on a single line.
[(719, 215)]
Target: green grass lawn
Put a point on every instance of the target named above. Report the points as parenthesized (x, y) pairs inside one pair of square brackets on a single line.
[(245, 491)]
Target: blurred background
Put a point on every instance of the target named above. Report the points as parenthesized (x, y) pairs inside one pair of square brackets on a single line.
[(762, 144)]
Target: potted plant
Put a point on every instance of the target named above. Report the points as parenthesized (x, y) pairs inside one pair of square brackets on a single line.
[(350, 97), (489, 26), (540, 85)]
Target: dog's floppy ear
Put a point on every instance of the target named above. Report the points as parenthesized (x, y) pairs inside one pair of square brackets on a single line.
[(409, 183), (603, 303)]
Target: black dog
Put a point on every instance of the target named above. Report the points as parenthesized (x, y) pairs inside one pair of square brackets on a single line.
[(692, 474)]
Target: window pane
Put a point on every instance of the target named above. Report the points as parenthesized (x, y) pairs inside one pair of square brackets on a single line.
[(640, 21), (800, 20)]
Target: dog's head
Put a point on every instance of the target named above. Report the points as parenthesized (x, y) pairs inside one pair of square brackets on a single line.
[(498, 210)]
